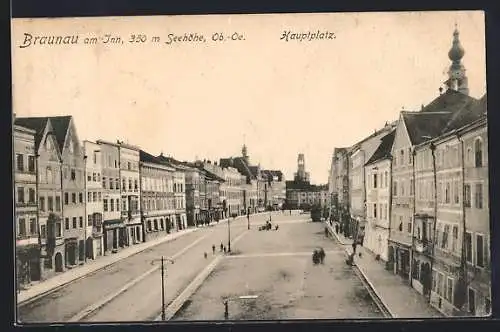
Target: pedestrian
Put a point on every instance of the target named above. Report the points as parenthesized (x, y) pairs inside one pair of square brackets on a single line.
[(213, 249), (326, 231), (224, 249), (322, 255), (290, 212), (205, 254), (354, 247), (221, 246), (337, 228)]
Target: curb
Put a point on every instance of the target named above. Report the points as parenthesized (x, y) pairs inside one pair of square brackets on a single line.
[(363, 273), (100, 268)]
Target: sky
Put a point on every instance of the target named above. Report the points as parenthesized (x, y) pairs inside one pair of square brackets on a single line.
[(205, 100)]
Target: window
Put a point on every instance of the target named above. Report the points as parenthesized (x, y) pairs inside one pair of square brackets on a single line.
[(31, 164), (408, 228), (94, 177), (472, 301), (124, 205), (117, 204), (129, 167), (478, 152), (446, 231), (374, 210), (94, 196), (112, 205), (447, 193), (156, 224), (117, 184), (454, 238), (449, 290), (73, 198), (104, 179), (80, 197), (20, 162), (74, 222), (43, 231), (59, 229), (89, 178), (66, 223), (20, 195), (468, 247), (479, 196), (130, 184), (374, 180), (402, 156), (73, 175), (22, 227), (105, 204), (135, 185), (456, 192), (149, 225), (479, 250), (58, 203), (33, 230), (409, 155), (31, 196), (80, 221), (66, 198), (50, 203), (89, 220), (394, 188), (89, 197), (467, 195)]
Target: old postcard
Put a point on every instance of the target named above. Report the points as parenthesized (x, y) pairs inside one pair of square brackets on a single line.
[(251, 167)]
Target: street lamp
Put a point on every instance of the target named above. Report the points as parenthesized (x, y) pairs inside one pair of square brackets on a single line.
[(163, 270)]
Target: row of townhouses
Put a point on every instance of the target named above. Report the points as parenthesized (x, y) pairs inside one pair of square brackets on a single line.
[(76, 200), (415, 193)]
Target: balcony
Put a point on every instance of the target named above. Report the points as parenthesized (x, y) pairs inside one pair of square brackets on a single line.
[(423, 246)]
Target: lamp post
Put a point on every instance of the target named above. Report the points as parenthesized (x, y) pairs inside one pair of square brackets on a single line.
[(163, 270)]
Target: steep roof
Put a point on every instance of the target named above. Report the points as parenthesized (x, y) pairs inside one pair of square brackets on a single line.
[(449, 101), (472, 111), (240, 164), (384, 149), (60, 125), (37, 124), (424, 126)]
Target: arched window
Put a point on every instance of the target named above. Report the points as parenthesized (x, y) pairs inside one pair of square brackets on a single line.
[(478, 152)]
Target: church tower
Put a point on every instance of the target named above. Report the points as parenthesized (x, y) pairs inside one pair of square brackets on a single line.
[(301, 175), (457, 80), (244, 154)]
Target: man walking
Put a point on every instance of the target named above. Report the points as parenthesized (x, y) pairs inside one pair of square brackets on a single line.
[(213, 249)]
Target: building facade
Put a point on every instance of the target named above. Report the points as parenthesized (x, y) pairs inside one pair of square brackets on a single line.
[(157, 197), (114, 237), (73, 189), (49, 194), (28, 266), (130, 196), (378, 198), (180, 199), (94, 208)]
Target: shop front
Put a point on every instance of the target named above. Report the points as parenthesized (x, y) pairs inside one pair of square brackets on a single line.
[(28, 266), (113, 235)]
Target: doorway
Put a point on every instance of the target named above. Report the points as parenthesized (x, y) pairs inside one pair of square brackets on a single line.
[(59, 262)]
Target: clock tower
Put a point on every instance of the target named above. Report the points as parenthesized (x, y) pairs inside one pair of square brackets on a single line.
[(457, 79)]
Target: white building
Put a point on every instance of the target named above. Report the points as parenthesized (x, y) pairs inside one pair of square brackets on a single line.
[(94, 194), (378, 195)]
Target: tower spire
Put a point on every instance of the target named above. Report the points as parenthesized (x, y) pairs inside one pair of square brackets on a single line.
[(457, 79)]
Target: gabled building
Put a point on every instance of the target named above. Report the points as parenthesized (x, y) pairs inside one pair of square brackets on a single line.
[(414, 129), (378, 198), (49, 176)]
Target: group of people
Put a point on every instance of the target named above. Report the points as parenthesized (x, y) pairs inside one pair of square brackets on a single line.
[(222, 249), (319, 256)]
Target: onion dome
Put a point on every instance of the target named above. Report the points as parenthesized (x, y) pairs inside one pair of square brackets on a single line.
[(456, 52)]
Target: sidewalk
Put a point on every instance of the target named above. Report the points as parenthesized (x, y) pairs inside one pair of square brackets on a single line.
[(59, 280), (79, 272), (400, 299)]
